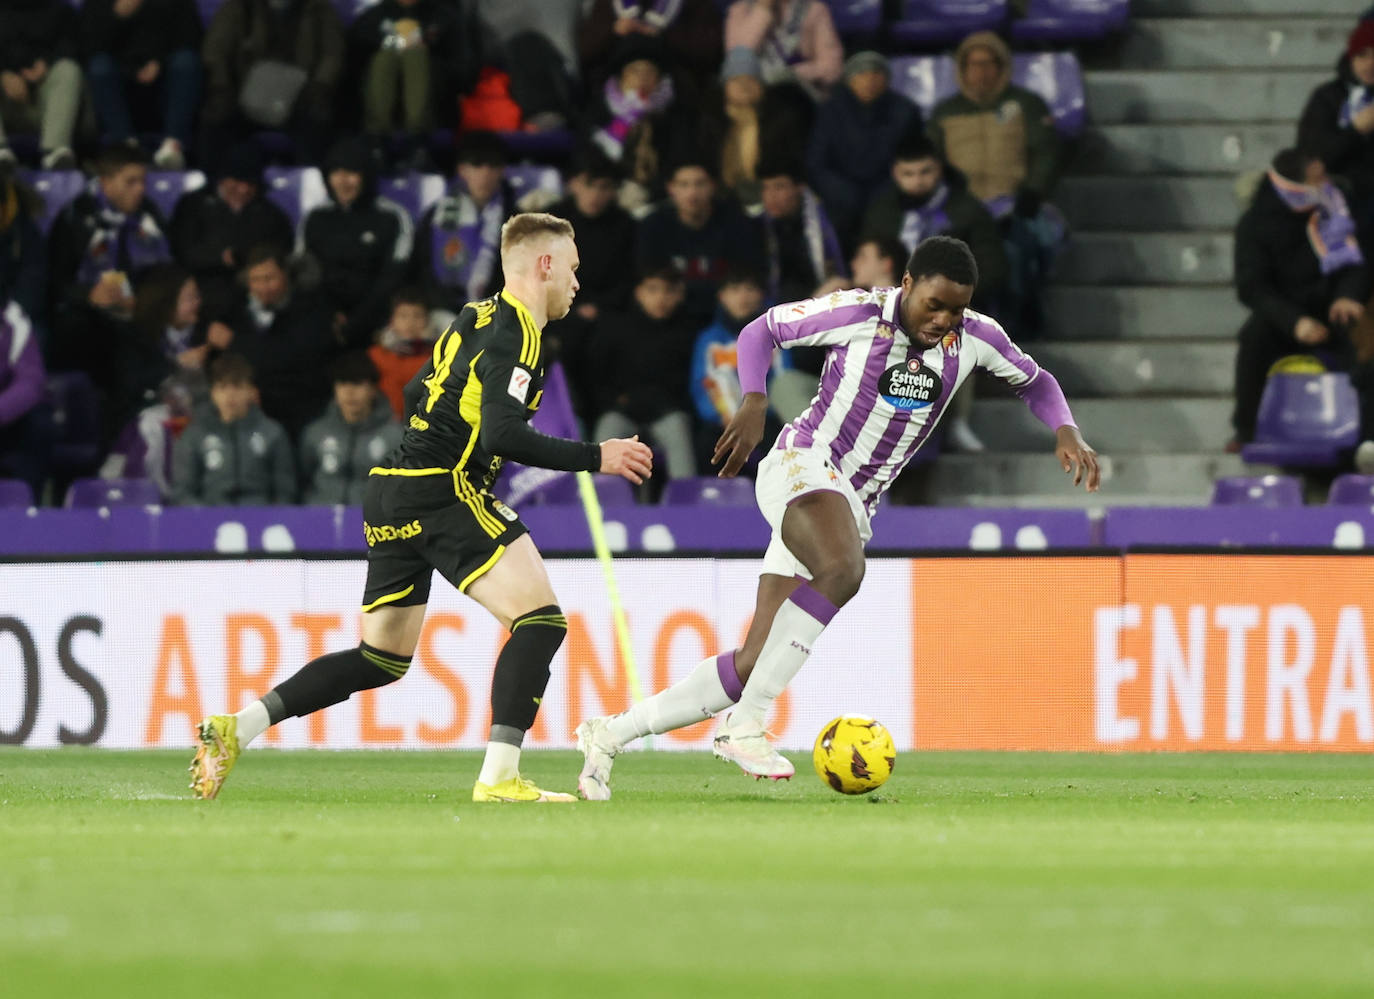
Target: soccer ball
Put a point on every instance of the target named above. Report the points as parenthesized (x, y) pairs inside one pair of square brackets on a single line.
[(854, 754)]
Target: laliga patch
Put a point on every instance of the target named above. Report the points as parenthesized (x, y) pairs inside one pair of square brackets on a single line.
[(519, 387), (909, 385), (504, 510)]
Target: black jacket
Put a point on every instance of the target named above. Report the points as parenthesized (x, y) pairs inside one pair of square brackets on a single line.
[(1345, 151), (35, 29), (604, 244), (452, 34), (154, 31), (852, 142), (729, 239), (1278, 275), (291, 358), (203, 227), (644, 363)]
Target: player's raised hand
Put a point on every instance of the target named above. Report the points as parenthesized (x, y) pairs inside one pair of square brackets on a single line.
[(741, 435), (629, 458), (1076, 458)]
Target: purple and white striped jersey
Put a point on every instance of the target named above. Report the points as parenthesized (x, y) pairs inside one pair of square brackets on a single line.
[(880, 394)]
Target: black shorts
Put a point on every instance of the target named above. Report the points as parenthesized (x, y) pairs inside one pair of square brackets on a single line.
[(415, 524)]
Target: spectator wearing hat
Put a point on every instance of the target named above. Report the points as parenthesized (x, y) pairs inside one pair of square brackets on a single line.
[(690, 31), (359, 241), (795, 41), (213, 229), (857, 129), (1337, 124), (40, 80)]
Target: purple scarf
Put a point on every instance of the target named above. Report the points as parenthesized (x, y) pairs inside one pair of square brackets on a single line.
[(1330, 229), (822, 245), (626, 111), (465, 242), (1359, 98), (930, 219), (655, 13), (121, 242)]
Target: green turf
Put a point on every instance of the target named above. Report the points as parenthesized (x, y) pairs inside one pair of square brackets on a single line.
[(369, 874)]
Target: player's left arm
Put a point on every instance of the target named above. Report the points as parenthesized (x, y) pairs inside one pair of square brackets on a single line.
[(1041, 393)]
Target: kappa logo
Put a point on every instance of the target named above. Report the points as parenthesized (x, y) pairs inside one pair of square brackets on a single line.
[(794, 470), (797, 487)]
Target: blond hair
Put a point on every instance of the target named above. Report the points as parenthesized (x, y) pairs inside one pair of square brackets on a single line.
[(532, 225)]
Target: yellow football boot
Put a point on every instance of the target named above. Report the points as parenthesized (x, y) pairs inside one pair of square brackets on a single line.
[(517, 789), (216, 755)]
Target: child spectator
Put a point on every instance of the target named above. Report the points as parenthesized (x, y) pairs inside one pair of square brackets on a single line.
[(802, 248), (144, 53), (458, 247), (356, 432), (715, 384), (879, 262), (40, 81), (26, 425), (232, 454), (403, 347), (360, 241), (644, 353)]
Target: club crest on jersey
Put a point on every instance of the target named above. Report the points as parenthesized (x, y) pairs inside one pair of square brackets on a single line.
[(910, 385)]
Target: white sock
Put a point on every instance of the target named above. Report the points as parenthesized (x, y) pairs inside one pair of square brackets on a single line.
[(252, 722), (502, 762), (798, 623), (711, 686)]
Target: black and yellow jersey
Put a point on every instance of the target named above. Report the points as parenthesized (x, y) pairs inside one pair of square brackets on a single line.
[(469, 407)]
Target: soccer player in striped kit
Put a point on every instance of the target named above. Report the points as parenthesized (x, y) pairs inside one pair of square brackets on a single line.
[(896, 356)]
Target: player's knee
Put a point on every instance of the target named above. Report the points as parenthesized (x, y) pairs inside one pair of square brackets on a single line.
[(840, 580)]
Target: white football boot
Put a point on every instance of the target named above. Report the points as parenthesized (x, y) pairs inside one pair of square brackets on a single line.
[(598, 751), (747, 747)]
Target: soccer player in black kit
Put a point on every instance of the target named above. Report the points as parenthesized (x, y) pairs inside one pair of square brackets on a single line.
[(428, 507)]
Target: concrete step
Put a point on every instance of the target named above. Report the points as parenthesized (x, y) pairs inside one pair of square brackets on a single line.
[(1112, 426), (1120, 369), (1252, 8), (996, 479), (1235, 42), (1137, 95), (1148, 204), (1225, 148), (1095, 312), (1146, 258)]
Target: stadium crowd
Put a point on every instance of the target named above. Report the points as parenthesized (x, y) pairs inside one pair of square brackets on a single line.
[(713, 157)]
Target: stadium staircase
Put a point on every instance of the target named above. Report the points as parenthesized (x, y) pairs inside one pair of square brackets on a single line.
[(1142, 312)]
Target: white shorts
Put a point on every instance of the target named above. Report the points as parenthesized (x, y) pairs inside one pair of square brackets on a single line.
[(785, 476)]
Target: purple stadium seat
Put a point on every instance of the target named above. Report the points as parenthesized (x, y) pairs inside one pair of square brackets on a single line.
[(1057, 78), (90, 494), (1352, 490), (1070, 20), (611, 491), (707, 490), (295, 190), (1307, 421), (526, 177), (940, 22), (207, 10), (165, 187), (552, 144), (76, 413), (1260, 490), (15, 492), (413, 191), (856, 17), (926, 80), (56, 188)]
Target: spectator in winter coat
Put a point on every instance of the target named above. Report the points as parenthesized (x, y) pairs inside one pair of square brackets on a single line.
[(285, 334), (144, 52), (356, 432), (417, 58), (214, 228), (690, 31), (700, 236), (40, 79), (714, 381), (802, 248), (1300, 272), (645, 354), (306, 34), (458, 247), (403, 348), (100, 246), (360, 241), (232, 454), (1337, 124), (856, 132), (26, 426)]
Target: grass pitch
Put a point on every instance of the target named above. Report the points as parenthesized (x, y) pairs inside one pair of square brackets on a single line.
[(371, 874)]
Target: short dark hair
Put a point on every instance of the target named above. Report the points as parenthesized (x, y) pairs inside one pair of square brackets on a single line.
[(261, 253), (915, 145), (660, 272), (593, 164), (113, 159), (686, 160), (945, 256), (889, 248), (409, 294), (780, 166), (742, 275), (230, 369), (1291, 163), (353, 368), (483, 149)]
